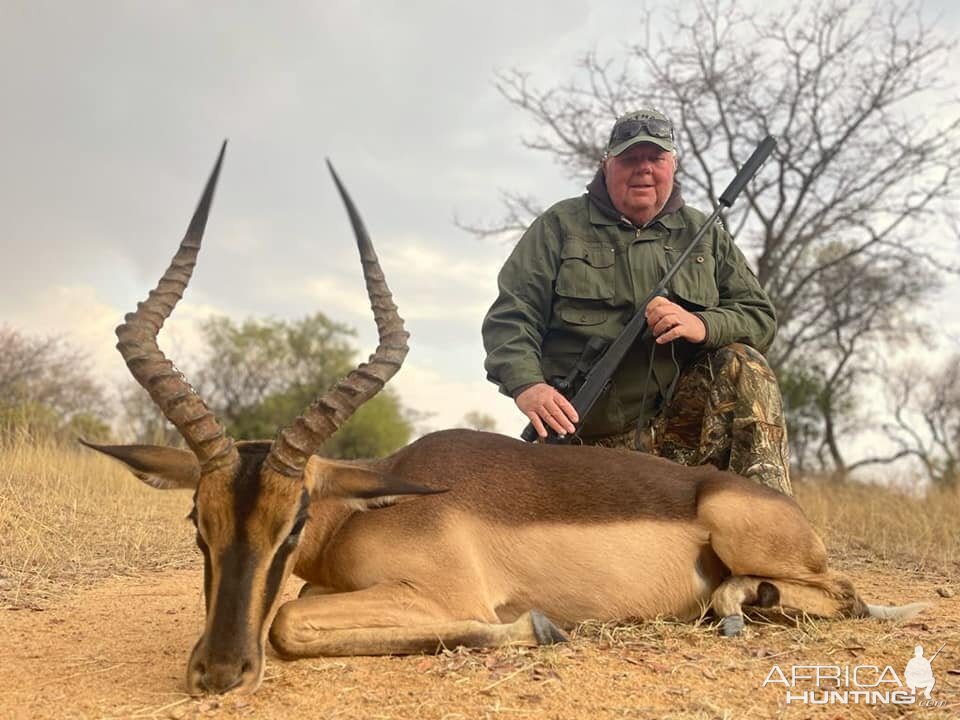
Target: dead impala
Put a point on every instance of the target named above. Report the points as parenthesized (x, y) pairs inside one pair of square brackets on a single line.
[(501, 535)]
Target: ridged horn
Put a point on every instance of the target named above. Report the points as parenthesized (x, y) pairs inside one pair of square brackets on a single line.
[(137, 337), (297, 442)]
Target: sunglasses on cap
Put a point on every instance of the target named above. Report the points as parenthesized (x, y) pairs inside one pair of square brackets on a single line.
[(632, 127)]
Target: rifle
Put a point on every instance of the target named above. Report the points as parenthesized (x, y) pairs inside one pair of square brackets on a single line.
[(598, 376), (936, 653)]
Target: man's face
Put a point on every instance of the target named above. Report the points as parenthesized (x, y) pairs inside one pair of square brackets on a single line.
[(639, 181)]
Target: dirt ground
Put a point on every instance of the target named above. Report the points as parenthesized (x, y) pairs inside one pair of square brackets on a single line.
[(118, 650)]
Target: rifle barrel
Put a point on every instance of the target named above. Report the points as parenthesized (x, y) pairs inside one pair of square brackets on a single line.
[(937, 652)]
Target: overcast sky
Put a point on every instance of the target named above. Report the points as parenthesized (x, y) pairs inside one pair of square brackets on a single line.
[(112, 114)]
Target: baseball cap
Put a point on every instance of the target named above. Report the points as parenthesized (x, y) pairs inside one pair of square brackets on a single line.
[(641, 126)]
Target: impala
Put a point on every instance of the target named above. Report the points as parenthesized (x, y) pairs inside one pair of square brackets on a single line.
[(460, 538)]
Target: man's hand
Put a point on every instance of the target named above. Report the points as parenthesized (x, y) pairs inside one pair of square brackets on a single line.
[(540, 403), (668, 321)]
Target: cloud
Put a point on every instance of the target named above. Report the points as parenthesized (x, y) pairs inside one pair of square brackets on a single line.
[(337, 296), (425, 390), (427, 283), (79, 315)]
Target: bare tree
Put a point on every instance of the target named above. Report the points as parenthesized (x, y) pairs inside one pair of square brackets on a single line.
[(142, 421), (925, 404), (852, 208), (861, 304), (46, 386)]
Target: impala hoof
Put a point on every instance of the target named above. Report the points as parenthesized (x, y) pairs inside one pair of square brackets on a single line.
[(731, 625), (545, 631)]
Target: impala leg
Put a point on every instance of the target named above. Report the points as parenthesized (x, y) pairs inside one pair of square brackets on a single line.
[(774, 556), (829, 595), (312, 589), (392, 620), (733, 593)]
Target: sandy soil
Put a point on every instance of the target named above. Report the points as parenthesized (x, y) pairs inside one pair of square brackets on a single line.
[(119, 650)]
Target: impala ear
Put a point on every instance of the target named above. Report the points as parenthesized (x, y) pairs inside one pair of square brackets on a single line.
[(164, 468), (362, 488)]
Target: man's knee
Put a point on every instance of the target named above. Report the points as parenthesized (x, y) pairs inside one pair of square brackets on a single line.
[(737, 358)]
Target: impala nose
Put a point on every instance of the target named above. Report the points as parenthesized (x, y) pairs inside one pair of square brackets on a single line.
[(222, 677)]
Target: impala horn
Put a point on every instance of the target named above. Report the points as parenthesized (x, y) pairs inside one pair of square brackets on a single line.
[(297, 442), (137, 337)]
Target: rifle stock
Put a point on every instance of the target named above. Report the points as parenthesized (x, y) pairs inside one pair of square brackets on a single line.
[(598, 377)]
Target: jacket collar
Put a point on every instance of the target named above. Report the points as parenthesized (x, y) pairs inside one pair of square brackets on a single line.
[(602, 211)]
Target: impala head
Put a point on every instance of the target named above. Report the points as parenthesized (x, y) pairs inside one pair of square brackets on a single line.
[(250, 498)]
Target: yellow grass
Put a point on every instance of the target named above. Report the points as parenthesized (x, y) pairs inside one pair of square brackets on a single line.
[(886, 524), (69, 516)]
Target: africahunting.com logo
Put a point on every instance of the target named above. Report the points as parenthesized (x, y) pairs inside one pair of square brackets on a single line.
[(859, 684)]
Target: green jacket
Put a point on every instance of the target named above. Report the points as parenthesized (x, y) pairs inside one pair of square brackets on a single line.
[(581, 269)]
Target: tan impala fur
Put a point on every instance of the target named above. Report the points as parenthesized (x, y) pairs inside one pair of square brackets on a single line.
[(460, 538)]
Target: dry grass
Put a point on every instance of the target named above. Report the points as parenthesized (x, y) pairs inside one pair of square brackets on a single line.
[(888, 525), (69, 516)]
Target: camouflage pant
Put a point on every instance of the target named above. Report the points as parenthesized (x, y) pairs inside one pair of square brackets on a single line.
[(726, 411)]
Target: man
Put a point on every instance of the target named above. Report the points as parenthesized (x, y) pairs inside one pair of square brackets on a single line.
[(697, 389), (919, 673)]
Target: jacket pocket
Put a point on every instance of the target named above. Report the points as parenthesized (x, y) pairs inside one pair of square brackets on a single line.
[(582, 315), (695, 283), (586, 271)]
